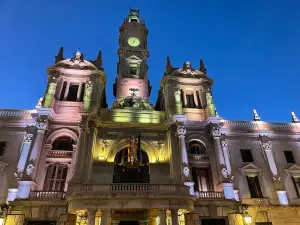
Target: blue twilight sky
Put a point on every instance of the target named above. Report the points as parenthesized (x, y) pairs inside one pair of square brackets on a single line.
[(251, 48)]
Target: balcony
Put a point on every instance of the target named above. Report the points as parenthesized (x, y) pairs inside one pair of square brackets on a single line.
[(199, 157), (47, 195), (59, 154), (211, 195)]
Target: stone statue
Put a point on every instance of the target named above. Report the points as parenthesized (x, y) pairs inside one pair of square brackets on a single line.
[(52, 88), (177, 96), (209, 99), (89, 89), (186, 171)]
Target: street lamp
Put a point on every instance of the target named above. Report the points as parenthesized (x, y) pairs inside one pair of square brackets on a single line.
[(4, 209), (246, 217)]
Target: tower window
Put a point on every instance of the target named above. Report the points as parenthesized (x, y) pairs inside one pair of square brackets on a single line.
[(62, 94), (254, 187), (289, 156), (56, 177), (190, 102), (2, 147), (246, 155), (72, 95), (133, 69)]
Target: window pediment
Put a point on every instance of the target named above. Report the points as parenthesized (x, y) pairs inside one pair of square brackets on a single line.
[(251, 170), (3, 166), (293, 171), (133, 59)]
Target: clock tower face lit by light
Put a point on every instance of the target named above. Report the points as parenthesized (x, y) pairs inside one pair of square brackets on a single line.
[(133, 41)]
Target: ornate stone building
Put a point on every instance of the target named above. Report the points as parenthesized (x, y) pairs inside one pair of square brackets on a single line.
[(73, 160)]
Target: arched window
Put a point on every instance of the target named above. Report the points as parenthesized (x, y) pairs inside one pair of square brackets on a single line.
[(197, 148), (56, 177), (128, 171), (63, 143)]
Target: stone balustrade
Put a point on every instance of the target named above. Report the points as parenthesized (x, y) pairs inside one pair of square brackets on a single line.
[(261, 126), (59, 154), (211, 195), (199, 157), (47, 195), (16, 113)]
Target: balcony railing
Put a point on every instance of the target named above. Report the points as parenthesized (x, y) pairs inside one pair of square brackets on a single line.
[(47, 195), (130, 189), (59, 154), (15, 113), (199, 157), (211, 195)]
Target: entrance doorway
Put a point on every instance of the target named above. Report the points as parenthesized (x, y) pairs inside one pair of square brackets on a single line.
[(40, 222), (129, 223), (213, 222)]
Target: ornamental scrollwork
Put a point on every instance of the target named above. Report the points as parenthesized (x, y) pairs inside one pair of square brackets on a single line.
[(28, 137), (181, 131), (42, 124), (224, 144), (267, 145), (215, 131)]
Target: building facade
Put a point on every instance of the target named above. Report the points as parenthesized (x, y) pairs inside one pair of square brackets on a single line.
[(74, 160)]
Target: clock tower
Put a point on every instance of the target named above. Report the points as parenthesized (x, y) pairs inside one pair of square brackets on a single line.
[(132, 68)]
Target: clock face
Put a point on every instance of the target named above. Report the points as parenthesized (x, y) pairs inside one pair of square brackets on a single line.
[(133, 41)]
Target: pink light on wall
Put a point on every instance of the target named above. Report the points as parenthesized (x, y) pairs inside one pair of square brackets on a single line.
[(124, 85)]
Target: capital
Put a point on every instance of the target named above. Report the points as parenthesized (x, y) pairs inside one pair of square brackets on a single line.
[(267, 145), (42, 124), (181, 131), (215, 131), (28, 138)]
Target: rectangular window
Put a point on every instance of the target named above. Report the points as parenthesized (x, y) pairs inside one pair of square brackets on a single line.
[(296, 181), (56, 177), (289, 156), (190, 103), (2, 147), (199, 102), (72, 95), (133, 69), (254, 187), (201, 178), (246, 155)]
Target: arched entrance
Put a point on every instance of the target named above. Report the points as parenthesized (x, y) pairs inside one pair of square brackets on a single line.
[(131, 167)]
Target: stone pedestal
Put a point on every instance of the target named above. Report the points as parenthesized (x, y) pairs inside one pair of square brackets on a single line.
[(24, 189), (174, 216), (162, 217), (191, 187), (105, 217), (282, 197), (91, 217), (228, 190), (12, 194)]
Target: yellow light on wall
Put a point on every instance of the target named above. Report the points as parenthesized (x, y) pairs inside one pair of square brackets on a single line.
[(100, 158), (1, 221), (247, 219)]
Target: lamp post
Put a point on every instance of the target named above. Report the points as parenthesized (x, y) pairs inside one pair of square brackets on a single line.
[(246, 217), (4, 210)]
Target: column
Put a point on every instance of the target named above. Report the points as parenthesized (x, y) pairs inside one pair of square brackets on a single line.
[(24, 155), (184, 98), (181, 131), (89, 154), (42, 126), (216, 133), (195, 98), (67, 90), (162, 217), (79, 92), (42, 167), (226, 156), (105, 217), (266, 145), (174, 216), (91, 217)]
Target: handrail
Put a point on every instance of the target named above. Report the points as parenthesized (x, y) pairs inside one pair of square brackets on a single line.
[(15, 113)]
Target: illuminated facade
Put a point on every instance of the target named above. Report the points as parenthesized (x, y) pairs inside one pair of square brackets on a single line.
[(72, 160)]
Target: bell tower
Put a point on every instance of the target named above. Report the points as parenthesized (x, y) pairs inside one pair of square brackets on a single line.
[(132, 67)]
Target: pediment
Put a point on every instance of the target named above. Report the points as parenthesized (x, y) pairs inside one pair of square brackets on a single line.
[(133, 59), (3, 166), (293, 171), (251, 170)]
